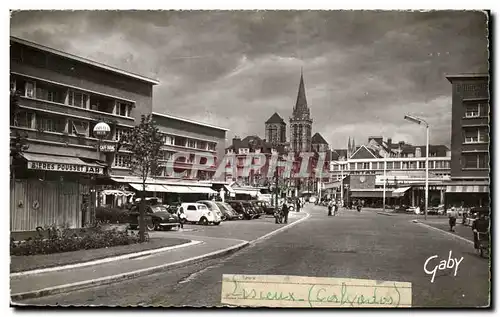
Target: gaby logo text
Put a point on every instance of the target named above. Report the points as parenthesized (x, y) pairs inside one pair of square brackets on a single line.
[(431, 266)]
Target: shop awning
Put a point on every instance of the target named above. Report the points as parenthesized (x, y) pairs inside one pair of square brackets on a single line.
[(468, 189), (252, 193), (116, 192), (55, 163), (150, 188), (398, 192), (370, 194), (202, 190), (179, 189), (229, 189)]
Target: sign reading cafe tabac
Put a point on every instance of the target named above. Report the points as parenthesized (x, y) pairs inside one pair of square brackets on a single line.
[(65, 167)]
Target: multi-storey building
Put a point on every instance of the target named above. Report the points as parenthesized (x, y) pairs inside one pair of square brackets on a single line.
[(401, 166), (60, 99), (470, 142)]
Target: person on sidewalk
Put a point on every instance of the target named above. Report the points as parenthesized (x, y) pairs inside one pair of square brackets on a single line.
[(336, 210), (453, 219), (285, 211), (481, 225), (330, 206), (298, 205)]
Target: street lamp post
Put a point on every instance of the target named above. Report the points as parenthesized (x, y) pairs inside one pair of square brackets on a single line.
[(101, 131), (421, 121), (385, 181)]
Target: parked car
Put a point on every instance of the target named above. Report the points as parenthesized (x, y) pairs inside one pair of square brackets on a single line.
[(199, 213), (412, 209), (157, 217), (257, 207), (268, 208), (436, 210), (243, 208), (313, 199), (212, 206), (228, 211)]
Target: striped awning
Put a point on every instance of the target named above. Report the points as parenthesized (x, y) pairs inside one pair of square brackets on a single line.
[(468, 189), (370, 193), (150, 188), (202, 190)]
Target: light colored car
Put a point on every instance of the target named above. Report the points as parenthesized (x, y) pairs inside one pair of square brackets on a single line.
[(312, 199), (199, 213), (212, 206)]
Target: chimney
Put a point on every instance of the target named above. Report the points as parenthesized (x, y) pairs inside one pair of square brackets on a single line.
[(418, 152), (236, 139), (389, 142)]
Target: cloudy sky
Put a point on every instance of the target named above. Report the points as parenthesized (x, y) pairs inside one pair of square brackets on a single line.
[(363, 70)]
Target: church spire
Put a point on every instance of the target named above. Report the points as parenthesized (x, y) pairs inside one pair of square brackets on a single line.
[(301, 108)]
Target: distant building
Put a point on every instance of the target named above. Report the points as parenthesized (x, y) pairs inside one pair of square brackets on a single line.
[(276, 129), (470, 141), (404, 167)]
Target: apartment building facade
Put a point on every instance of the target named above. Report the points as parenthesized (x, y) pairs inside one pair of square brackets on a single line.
[(400, 166), (470, 141), (60, 99)]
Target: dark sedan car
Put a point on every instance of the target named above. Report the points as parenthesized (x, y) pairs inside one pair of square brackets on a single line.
[(258, 207), (228, 211), (244, 208), (157, 217)]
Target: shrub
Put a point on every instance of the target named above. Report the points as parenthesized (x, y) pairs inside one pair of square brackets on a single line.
[(66, 240), (111, 215)]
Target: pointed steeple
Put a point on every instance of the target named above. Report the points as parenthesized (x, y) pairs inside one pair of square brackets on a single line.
[(301, 108)]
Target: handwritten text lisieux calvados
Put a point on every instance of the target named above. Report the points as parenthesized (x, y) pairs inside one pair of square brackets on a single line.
[(299, 291)]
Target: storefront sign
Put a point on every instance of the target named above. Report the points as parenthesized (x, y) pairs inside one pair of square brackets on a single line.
[(107, 148), (63, 167)]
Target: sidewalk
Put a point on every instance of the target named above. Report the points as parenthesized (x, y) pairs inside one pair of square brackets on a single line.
[(442, 224), (216, 241)]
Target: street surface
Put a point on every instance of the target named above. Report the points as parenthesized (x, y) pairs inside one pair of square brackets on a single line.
[(362, 245)]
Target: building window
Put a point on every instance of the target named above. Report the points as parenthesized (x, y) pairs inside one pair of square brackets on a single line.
[(406, 165), (120, 133), (179, 141), (475, 160), (121, 160), (211, 146), (12, 85), (421, 165), (50, 124), (352, 166), (397, 165), (202, 145), (23, 119), (191, 143), (483, 135), (472, 110), (122, 109), (78, 99), (390, 165), (29, 89), (80, 128), (168, 140), (366, 166)]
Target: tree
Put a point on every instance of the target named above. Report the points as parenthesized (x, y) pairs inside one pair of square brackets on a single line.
[(18, 142), (144, 142)]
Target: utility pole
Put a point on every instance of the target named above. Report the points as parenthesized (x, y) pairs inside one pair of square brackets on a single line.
[(276, 186)]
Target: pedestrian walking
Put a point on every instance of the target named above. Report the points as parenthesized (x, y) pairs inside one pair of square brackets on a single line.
[(335, 211), (298, 205), (453, 219), (330, 206), (285, 211)]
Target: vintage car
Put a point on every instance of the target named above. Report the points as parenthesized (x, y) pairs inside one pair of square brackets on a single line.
[(244, 208), (199, 213), (157, 217), (228, 211)]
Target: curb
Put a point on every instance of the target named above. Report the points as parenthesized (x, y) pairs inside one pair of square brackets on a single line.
[(124, 276), (105, 260), (147, 271), (385, 213), (280, 229), (442, 231)]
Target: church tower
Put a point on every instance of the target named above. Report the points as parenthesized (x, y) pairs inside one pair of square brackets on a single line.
[(301, 122), (275, 129)]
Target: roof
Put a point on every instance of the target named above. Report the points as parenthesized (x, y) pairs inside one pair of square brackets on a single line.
[(337, 153), (318, 139), (83, 60), (275, 118), (189, 121), (439, 149), (258, 143), (451, 78)]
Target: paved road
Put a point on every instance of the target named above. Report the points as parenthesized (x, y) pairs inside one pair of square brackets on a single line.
[(362, 245)]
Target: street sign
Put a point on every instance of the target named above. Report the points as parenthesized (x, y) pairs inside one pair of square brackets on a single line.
[(107, 148)]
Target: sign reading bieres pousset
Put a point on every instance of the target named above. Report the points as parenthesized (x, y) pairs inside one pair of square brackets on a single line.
[(63, 167)]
